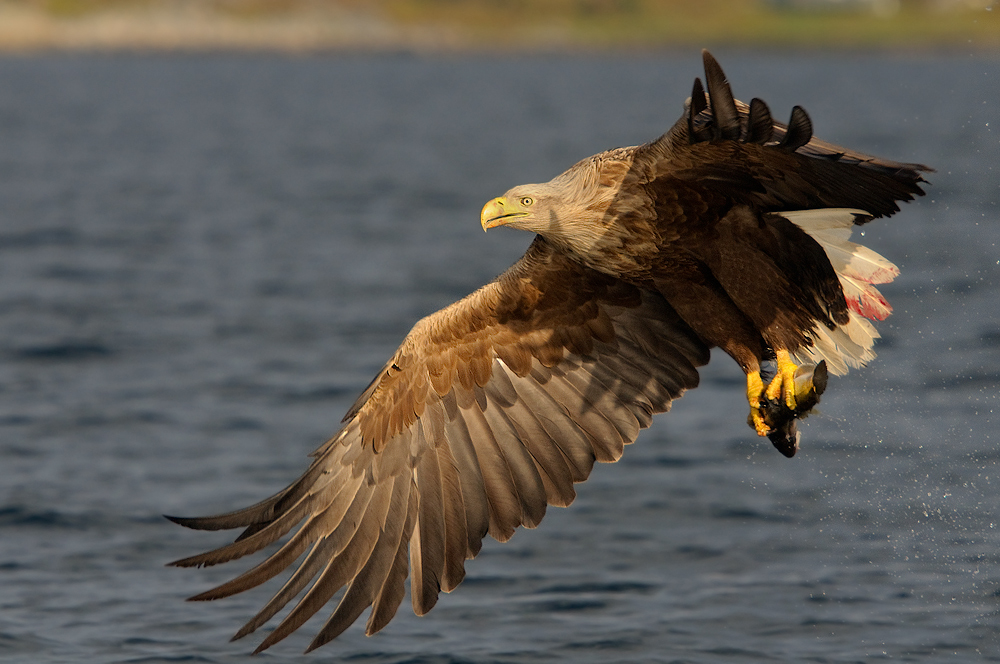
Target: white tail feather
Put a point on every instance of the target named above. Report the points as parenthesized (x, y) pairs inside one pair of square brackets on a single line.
[(849, 345)]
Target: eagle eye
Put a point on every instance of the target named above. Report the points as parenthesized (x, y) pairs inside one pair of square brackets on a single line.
[(526, 201)]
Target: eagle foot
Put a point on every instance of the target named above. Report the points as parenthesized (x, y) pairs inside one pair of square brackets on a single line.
[(755, 391), (770, 414), (784, 380)]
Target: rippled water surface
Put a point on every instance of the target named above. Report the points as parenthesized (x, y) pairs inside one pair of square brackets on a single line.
[(204, 259)]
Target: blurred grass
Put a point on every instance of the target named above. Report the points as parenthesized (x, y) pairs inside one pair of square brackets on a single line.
[(496, 24)]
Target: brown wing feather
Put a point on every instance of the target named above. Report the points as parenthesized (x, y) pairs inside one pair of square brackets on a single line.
[(774, 169), (490, 410)]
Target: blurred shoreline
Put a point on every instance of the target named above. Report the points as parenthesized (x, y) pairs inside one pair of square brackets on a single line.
[(493, 25)]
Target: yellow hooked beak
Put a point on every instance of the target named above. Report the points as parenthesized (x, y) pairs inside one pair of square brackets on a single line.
[(498, 212)]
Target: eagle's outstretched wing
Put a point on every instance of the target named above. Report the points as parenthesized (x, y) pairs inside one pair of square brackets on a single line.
[(488, 412)]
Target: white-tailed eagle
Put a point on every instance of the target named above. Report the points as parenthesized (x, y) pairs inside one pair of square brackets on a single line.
[(730, 230)]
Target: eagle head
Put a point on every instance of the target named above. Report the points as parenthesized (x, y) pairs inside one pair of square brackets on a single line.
[(522, 207), (571, 210)]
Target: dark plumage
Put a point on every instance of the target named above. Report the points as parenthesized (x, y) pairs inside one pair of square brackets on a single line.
[(730, 230)]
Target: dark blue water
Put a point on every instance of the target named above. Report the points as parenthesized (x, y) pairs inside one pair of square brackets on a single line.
[(204, 259)]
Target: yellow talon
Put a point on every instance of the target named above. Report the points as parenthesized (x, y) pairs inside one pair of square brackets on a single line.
[(755, 388), (784, 380)]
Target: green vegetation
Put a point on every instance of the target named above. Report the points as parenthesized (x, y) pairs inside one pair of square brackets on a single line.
[(497, 24), (75, 8), (664, 23)]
